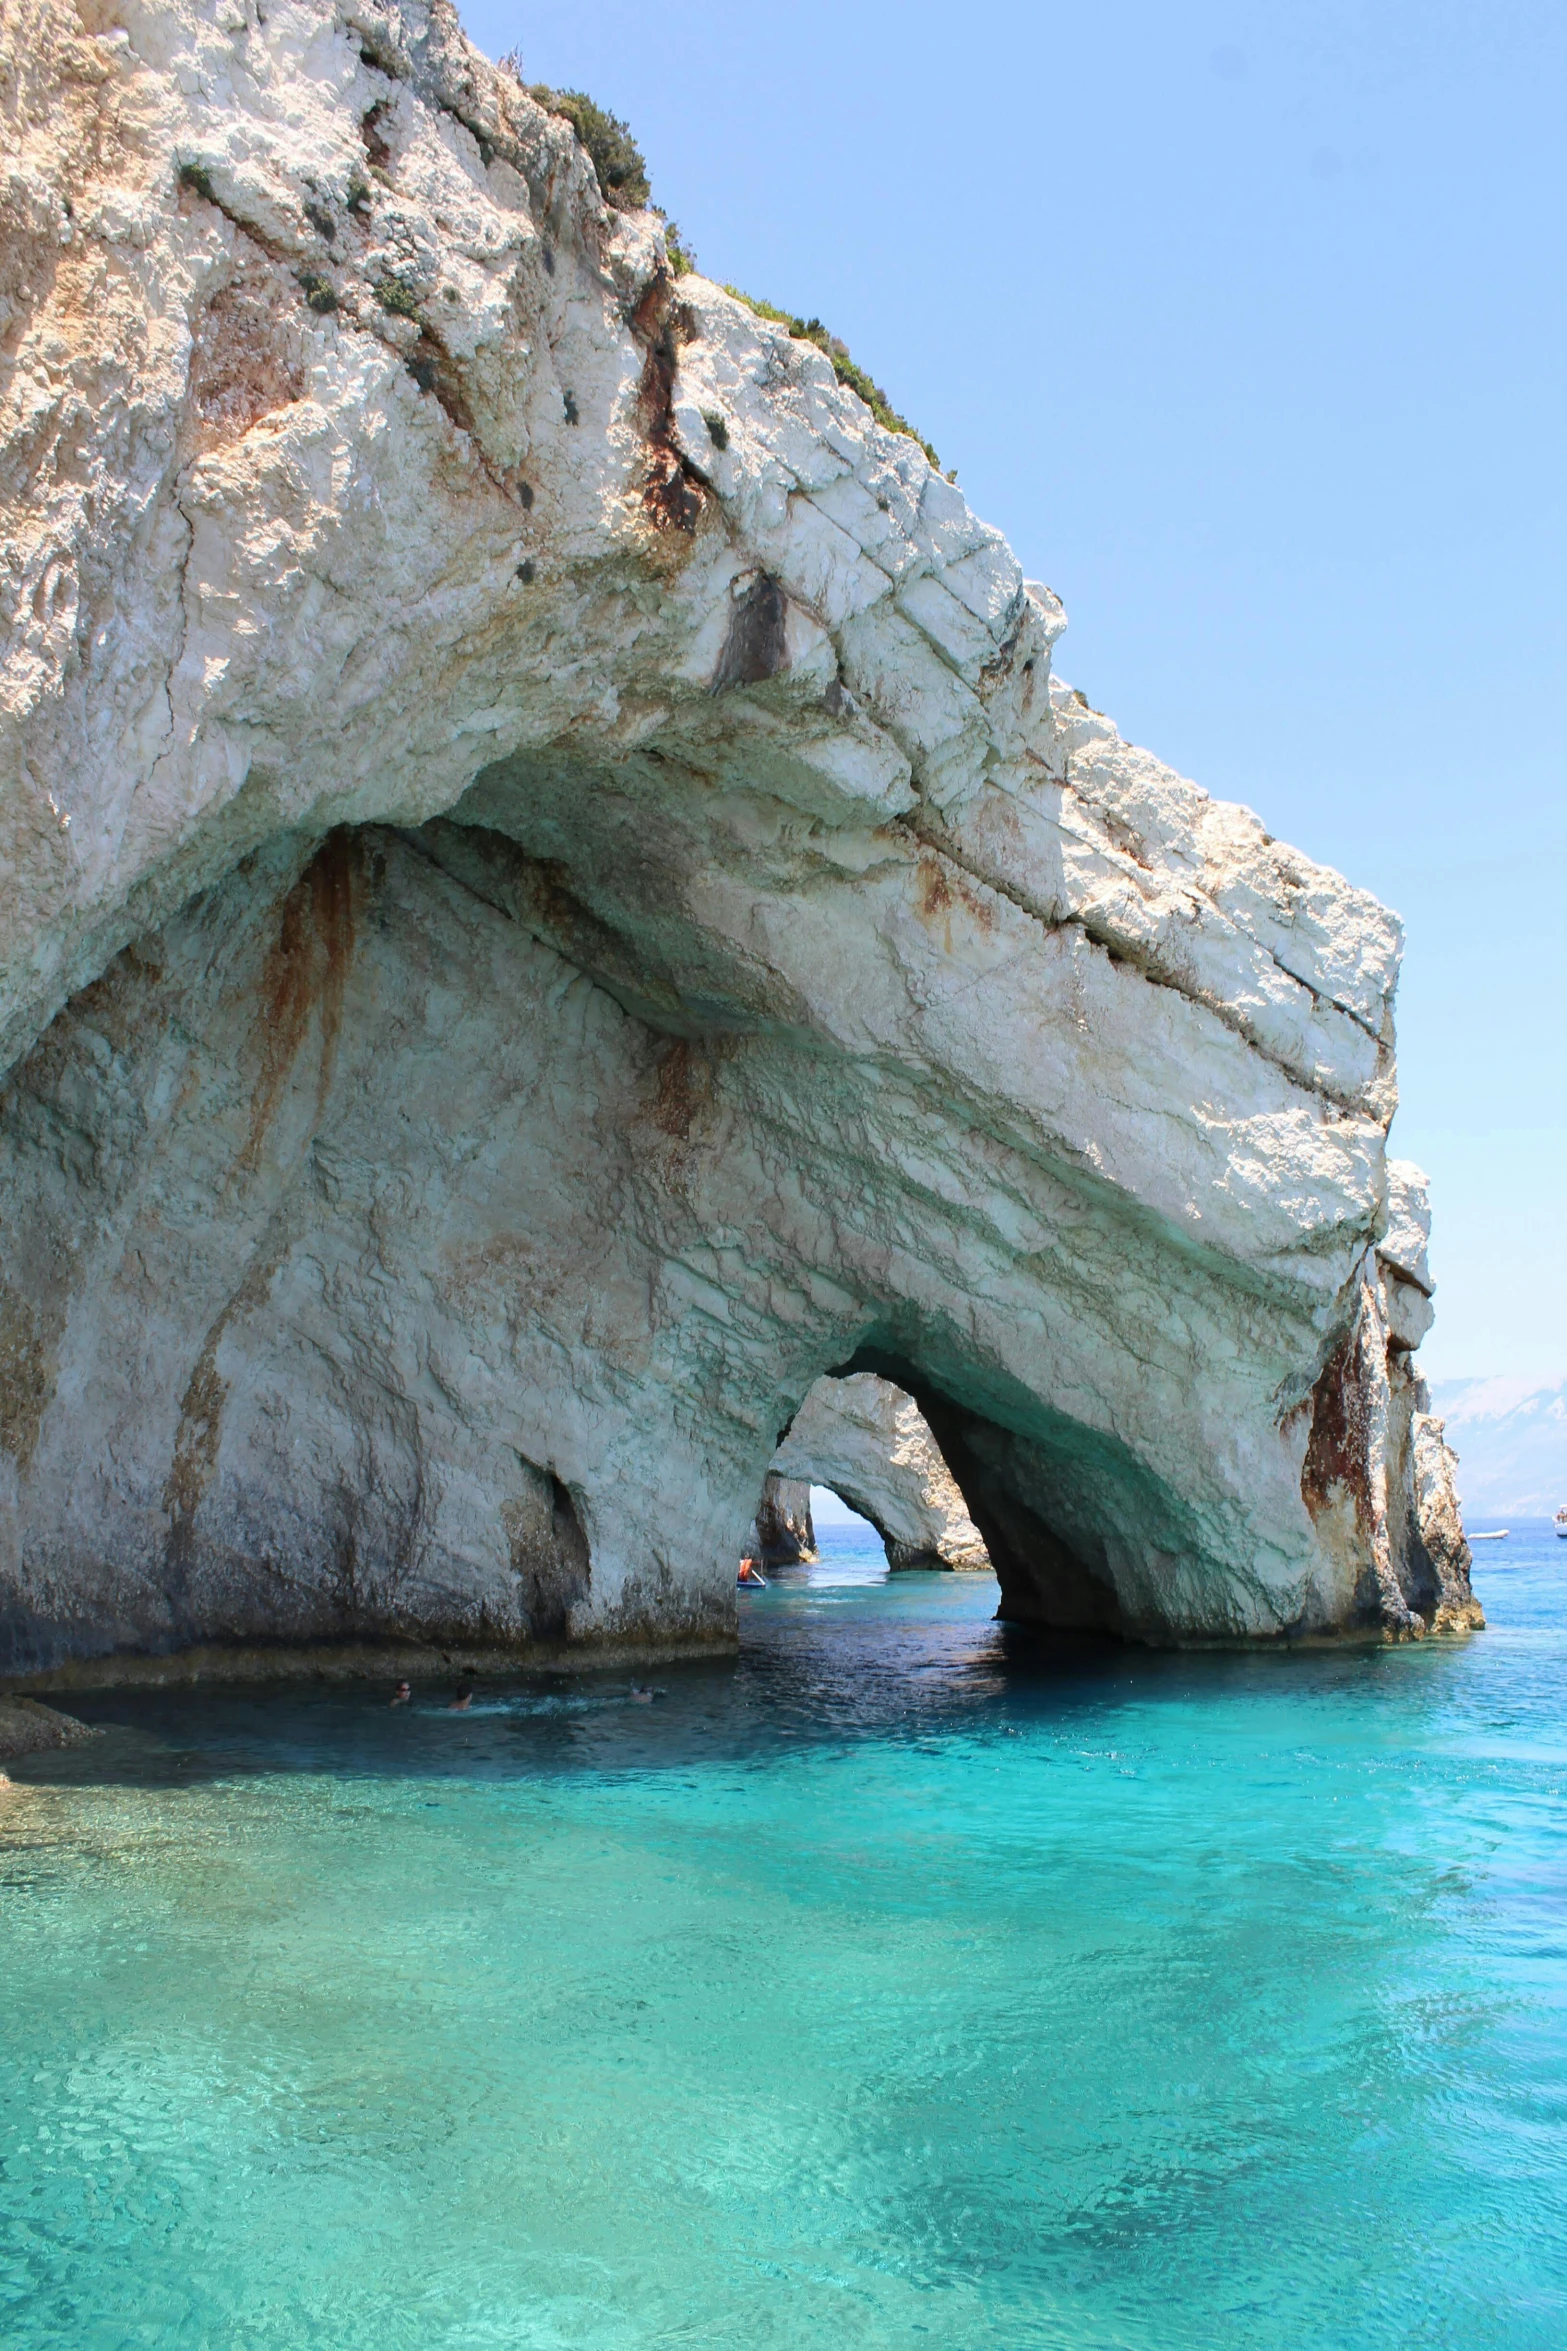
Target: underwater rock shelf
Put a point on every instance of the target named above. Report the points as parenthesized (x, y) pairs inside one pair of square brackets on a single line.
[(553, 897)]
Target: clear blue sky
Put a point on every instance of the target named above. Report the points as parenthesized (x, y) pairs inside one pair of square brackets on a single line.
[(1245, 323)]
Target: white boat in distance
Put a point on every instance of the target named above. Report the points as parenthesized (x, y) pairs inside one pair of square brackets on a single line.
[(1561, 1524), (1499, 1536)]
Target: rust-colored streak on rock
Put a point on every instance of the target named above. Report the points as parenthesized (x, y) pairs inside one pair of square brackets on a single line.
[(242, 367), (200, 1430), (943, 887), (935, 889), (286, 993), (676, 1095), (1337, 1449), (671, 493), (331, 877), (28, 1343), (305, 970)]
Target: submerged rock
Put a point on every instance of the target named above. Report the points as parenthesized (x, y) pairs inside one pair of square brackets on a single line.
[(869, 1442), (552, 897), (27, 1728)]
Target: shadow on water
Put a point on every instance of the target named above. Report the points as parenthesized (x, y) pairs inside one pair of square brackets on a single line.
[(827, 1658)]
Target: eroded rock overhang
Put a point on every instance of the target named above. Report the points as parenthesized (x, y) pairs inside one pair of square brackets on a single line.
[(554, 896)]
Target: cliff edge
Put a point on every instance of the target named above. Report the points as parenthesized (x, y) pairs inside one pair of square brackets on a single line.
[(552, 896)]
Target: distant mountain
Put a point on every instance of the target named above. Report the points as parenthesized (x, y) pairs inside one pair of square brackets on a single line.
[(1511, 1440)]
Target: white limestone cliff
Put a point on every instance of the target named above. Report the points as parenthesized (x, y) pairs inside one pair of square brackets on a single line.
[(551, 897), (870, 1444), (782, 1533)]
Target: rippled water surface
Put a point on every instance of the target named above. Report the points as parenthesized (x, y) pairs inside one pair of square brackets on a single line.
[(898, 1985)]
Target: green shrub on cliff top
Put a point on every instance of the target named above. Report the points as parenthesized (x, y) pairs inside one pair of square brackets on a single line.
[(682, 260), (613, 152), (622, 176), (811, 330)]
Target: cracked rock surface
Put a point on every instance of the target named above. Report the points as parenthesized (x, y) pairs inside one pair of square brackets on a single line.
[(552, 896)]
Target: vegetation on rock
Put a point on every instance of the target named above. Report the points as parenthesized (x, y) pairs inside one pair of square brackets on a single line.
[(613, 152), (811, 330), (622, 175), (682, 257), (399, 299)]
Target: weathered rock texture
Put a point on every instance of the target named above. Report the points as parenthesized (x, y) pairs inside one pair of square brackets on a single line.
[(783, 1534), (869, 1442), (26, 1728), (551, 897)]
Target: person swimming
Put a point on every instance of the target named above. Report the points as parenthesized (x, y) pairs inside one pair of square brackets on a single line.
[(463, 1700), (402, 1694)]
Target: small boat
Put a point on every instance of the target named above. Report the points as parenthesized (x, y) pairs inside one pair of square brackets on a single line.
[(1561, 1523), (1500, 1536)]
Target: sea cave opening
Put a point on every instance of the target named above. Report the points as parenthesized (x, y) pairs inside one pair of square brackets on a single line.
[(859, 1466), (1063, 1517)]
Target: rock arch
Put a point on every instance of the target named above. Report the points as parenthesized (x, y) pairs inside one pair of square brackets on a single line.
[(868, 1441), (478, 1048)]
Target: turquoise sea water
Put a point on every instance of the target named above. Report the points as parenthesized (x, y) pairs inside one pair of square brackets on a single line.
[(902, 1984)]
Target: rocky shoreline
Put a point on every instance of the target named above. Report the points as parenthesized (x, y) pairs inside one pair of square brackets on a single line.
[(27, 1728)]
